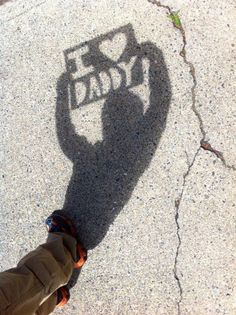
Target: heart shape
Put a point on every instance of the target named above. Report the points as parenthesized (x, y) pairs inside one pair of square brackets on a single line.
[(114, 48)]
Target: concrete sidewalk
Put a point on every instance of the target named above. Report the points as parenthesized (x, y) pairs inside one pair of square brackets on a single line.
[(166, 243)]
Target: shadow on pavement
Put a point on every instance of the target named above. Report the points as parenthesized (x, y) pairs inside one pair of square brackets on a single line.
[(105, 174)]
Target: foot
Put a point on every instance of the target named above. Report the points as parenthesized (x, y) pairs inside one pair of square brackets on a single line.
[(63, 296), (59, 222)]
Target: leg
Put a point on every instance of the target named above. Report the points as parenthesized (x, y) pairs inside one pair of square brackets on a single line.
[(37, 276), (48, 306)]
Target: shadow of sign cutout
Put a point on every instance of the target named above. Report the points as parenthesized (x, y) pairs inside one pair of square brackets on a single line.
[(102, 65)]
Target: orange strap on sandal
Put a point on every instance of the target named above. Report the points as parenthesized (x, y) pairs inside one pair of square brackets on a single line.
[(65, 295), (82, 253)]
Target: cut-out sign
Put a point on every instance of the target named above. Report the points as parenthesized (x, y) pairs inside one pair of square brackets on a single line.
[(102, 65)]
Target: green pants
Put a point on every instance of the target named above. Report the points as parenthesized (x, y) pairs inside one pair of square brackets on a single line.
[(30, 288)]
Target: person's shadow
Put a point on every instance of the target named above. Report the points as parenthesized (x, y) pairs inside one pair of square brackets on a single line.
[(105, 174)]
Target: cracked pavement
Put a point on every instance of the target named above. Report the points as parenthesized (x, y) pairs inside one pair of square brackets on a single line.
[(171, 250)]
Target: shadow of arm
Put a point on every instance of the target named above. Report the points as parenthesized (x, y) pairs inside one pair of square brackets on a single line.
[(154, 120), (70, 142), (160, 92)]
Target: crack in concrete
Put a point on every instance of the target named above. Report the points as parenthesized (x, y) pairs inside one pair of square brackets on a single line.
[(190, 165), (207, 146), (204, 144), (177, 206), (26, 11), (3, 1)]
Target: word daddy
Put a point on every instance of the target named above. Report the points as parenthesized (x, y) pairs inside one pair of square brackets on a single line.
[(91, 83)]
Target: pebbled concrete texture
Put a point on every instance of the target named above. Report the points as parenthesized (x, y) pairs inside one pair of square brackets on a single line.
[(171, 249), (206, 261)]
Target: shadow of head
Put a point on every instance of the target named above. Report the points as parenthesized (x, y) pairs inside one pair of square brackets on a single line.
[(121, 113), (106, 173)]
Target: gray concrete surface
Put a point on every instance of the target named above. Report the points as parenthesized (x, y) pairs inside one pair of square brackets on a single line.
[(171, 249)]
